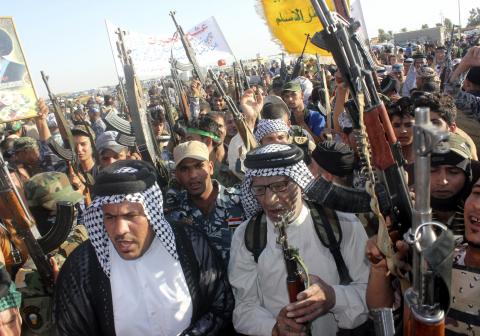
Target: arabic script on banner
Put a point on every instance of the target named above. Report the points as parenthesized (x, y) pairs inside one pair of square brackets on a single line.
[(151, 53), (290, 21)]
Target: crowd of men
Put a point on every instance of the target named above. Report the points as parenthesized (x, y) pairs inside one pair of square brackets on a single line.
[(201, 250)]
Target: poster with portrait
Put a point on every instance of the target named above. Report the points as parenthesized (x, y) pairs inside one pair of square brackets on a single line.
[(17, 95)]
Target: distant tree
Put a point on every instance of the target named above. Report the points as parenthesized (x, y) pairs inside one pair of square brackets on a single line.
[(448, 23), (424, 26), (383, 36), (390, 32), (474, 18), (403, 30)]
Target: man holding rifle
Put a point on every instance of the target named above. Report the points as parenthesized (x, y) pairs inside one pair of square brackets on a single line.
[(274, 181)]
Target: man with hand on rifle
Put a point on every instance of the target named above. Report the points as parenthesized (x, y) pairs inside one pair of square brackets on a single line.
[(274, 181), (251, 104), (312, 121)]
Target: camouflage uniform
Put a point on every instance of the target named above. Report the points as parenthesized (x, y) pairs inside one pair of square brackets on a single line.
[(218, 225), (223, 175), (48, 160), (45, 190)]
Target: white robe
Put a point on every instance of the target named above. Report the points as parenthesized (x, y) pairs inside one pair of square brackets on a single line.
[(149, 295)]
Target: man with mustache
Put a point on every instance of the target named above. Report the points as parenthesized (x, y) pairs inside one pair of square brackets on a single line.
[(139, 274), (275, 179), (204, 202)]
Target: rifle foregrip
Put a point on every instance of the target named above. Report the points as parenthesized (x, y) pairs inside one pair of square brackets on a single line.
[(294, 287), (12, 209), (380, 135)]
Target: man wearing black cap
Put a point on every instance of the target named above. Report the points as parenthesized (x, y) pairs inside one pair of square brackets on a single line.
[(139, 274), (334, 161), (390, 87), (272, 190)]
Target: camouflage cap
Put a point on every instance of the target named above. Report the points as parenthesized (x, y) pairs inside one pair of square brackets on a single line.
[(459, 154), (46, 189), (24, 143), (292, 86)]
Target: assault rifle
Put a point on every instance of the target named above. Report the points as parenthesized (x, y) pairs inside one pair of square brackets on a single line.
[(283, 69), (325, 91), (140, 127), (299, 63), (245, 132), (244, 76), (168, 112), (180, 91), (13, 210), (69, 152), (352, 58), (188, 49), (238, 83), (427, 301), (295, 283), (297, 277), (447, 71)]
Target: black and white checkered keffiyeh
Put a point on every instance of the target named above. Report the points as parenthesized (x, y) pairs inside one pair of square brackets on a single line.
[(152, 201), (268, 126), (298, 172)]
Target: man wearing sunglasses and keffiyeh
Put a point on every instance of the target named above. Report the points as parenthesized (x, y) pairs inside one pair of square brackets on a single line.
[(139, 274), (274, 182)]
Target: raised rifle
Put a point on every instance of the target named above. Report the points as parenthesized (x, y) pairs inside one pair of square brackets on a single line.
[(238, 83), (245, 132), (283, 69), (354, 62), (188, 50), (325, 91), (168, 112), (299, 63), (244, 76), (146, 143), (69, 152), (427, 301), (180, 91), (447, 71)]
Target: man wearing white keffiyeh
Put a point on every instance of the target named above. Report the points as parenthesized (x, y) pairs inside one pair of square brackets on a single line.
[(139, 274), (272, 131), (274, 183)]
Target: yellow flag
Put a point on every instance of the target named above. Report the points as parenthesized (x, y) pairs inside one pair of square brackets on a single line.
[(290, 21)]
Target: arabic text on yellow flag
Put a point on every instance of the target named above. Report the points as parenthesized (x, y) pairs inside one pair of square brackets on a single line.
[(290, 20)]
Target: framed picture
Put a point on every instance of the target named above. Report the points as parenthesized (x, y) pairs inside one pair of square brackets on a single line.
[(17, 95)]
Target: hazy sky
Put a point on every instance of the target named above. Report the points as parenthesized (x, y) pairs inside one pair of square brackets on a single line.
[(68, 40)]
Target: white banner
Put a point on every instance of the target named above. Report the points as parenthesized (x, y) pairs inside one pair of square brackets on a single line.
[(356, 12), (151, 53), (207, 41)]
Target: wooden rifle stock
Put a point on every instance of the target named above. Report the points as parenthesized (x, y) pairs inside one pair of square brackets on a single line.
[(15, 210)]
